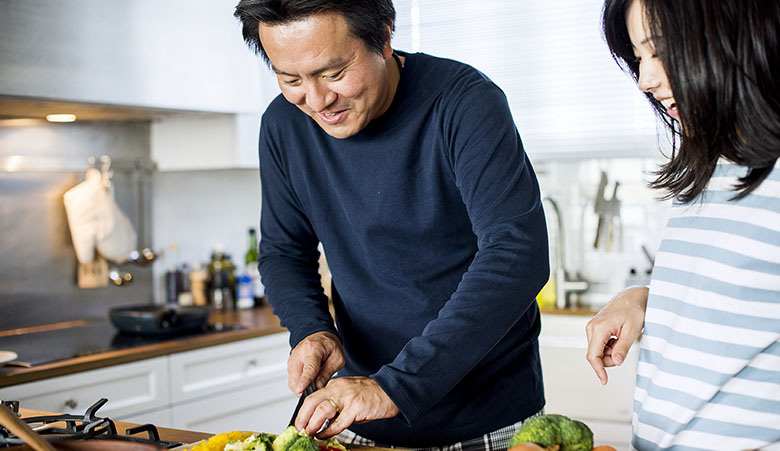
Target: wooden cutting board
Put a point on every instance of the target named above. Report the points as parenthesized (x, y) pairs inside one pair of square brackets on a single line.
[(349, 447)]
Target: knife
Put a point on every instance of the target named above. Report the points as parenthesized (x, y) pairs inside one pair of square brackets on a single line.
[(306, 392), (598, 207)]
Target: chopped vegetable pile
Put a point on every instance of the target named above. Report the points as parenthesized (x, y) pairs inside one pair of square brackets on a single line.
[(289, 440)]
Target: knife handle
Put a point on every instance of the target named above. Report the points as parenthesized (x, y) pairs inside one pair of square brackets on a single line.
[(306, 392)]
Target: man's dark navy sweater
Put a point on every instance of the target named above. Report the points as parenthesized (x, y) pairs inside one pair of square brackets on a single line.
[(432, 224)]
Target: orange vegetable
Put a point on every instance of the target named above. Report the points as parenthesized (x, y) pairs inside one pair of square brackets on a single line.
[(604, 448)]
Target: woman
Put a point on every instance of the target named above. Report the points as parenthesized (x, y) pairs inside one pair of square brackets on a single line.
[(709, 369)]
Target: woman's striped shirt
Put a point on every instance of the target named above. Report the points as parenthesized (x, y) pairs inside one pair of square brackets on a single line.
[(709, 367)]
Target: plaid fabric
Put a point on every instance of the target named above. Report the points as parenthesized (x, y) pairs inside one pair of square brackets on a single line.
[(497, 440)]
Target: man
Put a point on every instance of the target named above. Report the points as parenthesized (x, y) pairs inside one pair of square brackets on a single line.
[(410, 172)]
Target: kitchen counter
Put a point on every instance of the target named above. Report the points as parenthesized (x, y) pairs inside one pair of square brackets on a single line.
[(253, 323), (179, 435), (170, 434), (578, 311)]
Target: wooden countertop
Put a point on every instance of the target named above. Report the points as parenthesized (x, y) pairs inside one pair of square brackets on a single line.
[(578, 311), (170, 434), (178, 435), (257, 322)]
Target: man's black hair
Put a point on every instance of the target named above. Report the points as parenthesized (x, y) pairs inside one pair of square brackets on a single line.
[(367, 19)]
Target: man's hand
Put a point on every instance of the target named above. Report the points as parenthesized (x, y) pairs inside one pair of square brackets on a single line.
[(316, 357), (614, 329), (345, 400)]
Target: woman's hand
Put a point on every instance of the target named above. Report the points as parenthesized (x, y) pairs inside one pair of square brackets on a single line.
[(614, 329), (316, 357), (345, 400)]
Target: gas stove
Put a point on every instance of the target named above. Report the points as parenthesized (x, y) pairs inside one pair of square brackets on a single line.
[(55, 428)]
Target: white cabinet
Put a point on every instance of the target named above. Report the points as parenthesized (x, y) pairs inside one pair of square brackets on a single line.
[(265, 407), (238, 385), (217, 369), (130, 388), (572, 388), (205, 141)]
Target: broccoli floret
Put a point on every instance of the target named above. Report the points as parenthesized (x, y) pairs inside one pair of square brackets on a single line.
[(285, 439), (543, 430), (264, 442), (304, 443), (550, 430), (293, 440), (576, 436)]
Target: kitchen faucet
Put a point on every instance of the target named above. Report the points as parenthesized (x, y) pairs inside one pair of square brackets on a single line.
[(563, 285)]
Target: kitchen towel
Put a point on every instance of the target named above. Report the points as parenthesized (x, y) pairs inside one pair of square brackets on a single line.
[(96, 221)]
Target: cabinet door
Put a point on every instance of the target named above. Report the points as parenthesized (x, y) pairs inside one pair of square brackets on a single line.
[(226, 368), (130, 388), (205, 141), (266, 407)]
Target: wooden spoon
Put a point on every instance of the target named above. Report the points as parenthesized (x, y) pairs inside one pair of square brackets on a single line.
[(10, 421)]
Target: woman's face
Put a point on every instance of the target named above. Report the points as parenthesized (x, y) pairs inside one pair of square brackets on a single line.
[(652, 76)]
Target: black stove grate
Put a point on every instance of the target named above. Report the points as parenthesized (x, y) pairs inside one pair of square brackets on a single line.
[(81, 427)]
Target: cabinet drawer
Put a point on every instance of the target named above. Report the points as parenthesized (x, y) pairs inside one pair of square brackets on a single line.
[(223, 368), (264, 408), (130, 387)]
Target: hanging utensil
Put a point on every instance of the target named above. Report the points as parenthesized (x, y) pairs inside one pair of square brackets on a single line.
[(598, 208), (144, 255)]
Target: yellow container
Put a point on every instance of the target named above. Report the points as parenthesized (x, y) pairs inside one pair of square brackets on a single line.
[(546, 297)]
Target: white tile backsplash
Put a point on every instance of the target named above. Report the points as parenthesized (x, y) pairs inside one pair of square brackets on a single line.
[(198, 210)]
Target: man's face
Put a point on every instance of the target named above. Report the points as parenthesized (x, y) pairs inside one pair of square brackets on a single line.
[(328, 73)]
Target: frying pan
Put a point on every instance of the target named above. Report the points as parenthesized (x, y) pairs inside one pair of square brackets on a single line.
[(158, 319)]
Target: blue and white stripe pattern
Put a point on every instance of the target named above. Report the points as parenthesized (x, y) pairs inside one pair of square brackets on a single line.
[(709, 368)]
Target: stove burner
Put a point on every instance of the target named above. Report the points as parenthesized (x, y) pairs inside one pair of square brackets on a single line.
[(79, 427)]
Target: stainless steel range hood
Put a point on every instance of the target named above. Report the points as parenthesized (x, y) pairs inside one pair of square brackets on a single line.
[(179, 55)]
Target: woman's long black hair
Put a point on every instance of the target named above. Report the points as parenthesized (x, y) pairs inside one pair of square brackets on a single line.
[(719, 56)]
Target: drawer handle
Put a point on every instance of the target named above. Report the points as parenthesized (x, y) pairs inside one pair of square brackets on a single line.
[(253, 362), (71, 403)]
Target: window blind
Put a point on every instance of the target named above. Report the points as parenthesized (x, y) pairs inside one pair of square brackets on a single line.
[(566, 94)]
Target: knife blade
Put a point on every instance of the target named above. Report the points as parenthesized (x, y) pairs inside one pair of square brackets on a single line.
[(306, 392)]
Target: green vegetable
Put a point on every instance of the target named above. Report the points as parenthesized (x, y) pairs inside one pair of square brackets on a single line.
[(576, 436), (551, 430), (293, 440), (333, 443), (255, 442)]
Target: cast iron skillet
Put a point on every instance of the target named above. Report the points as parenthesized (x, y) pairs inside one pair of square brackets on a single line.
[(158, 319)]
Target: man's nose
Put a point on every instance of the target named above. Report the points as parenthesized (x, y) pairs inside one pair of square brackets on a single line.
[(319, 97)]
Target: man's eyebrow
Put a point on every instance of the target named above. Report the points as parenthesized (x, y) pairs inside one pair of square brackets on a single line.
[(331, 65)]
